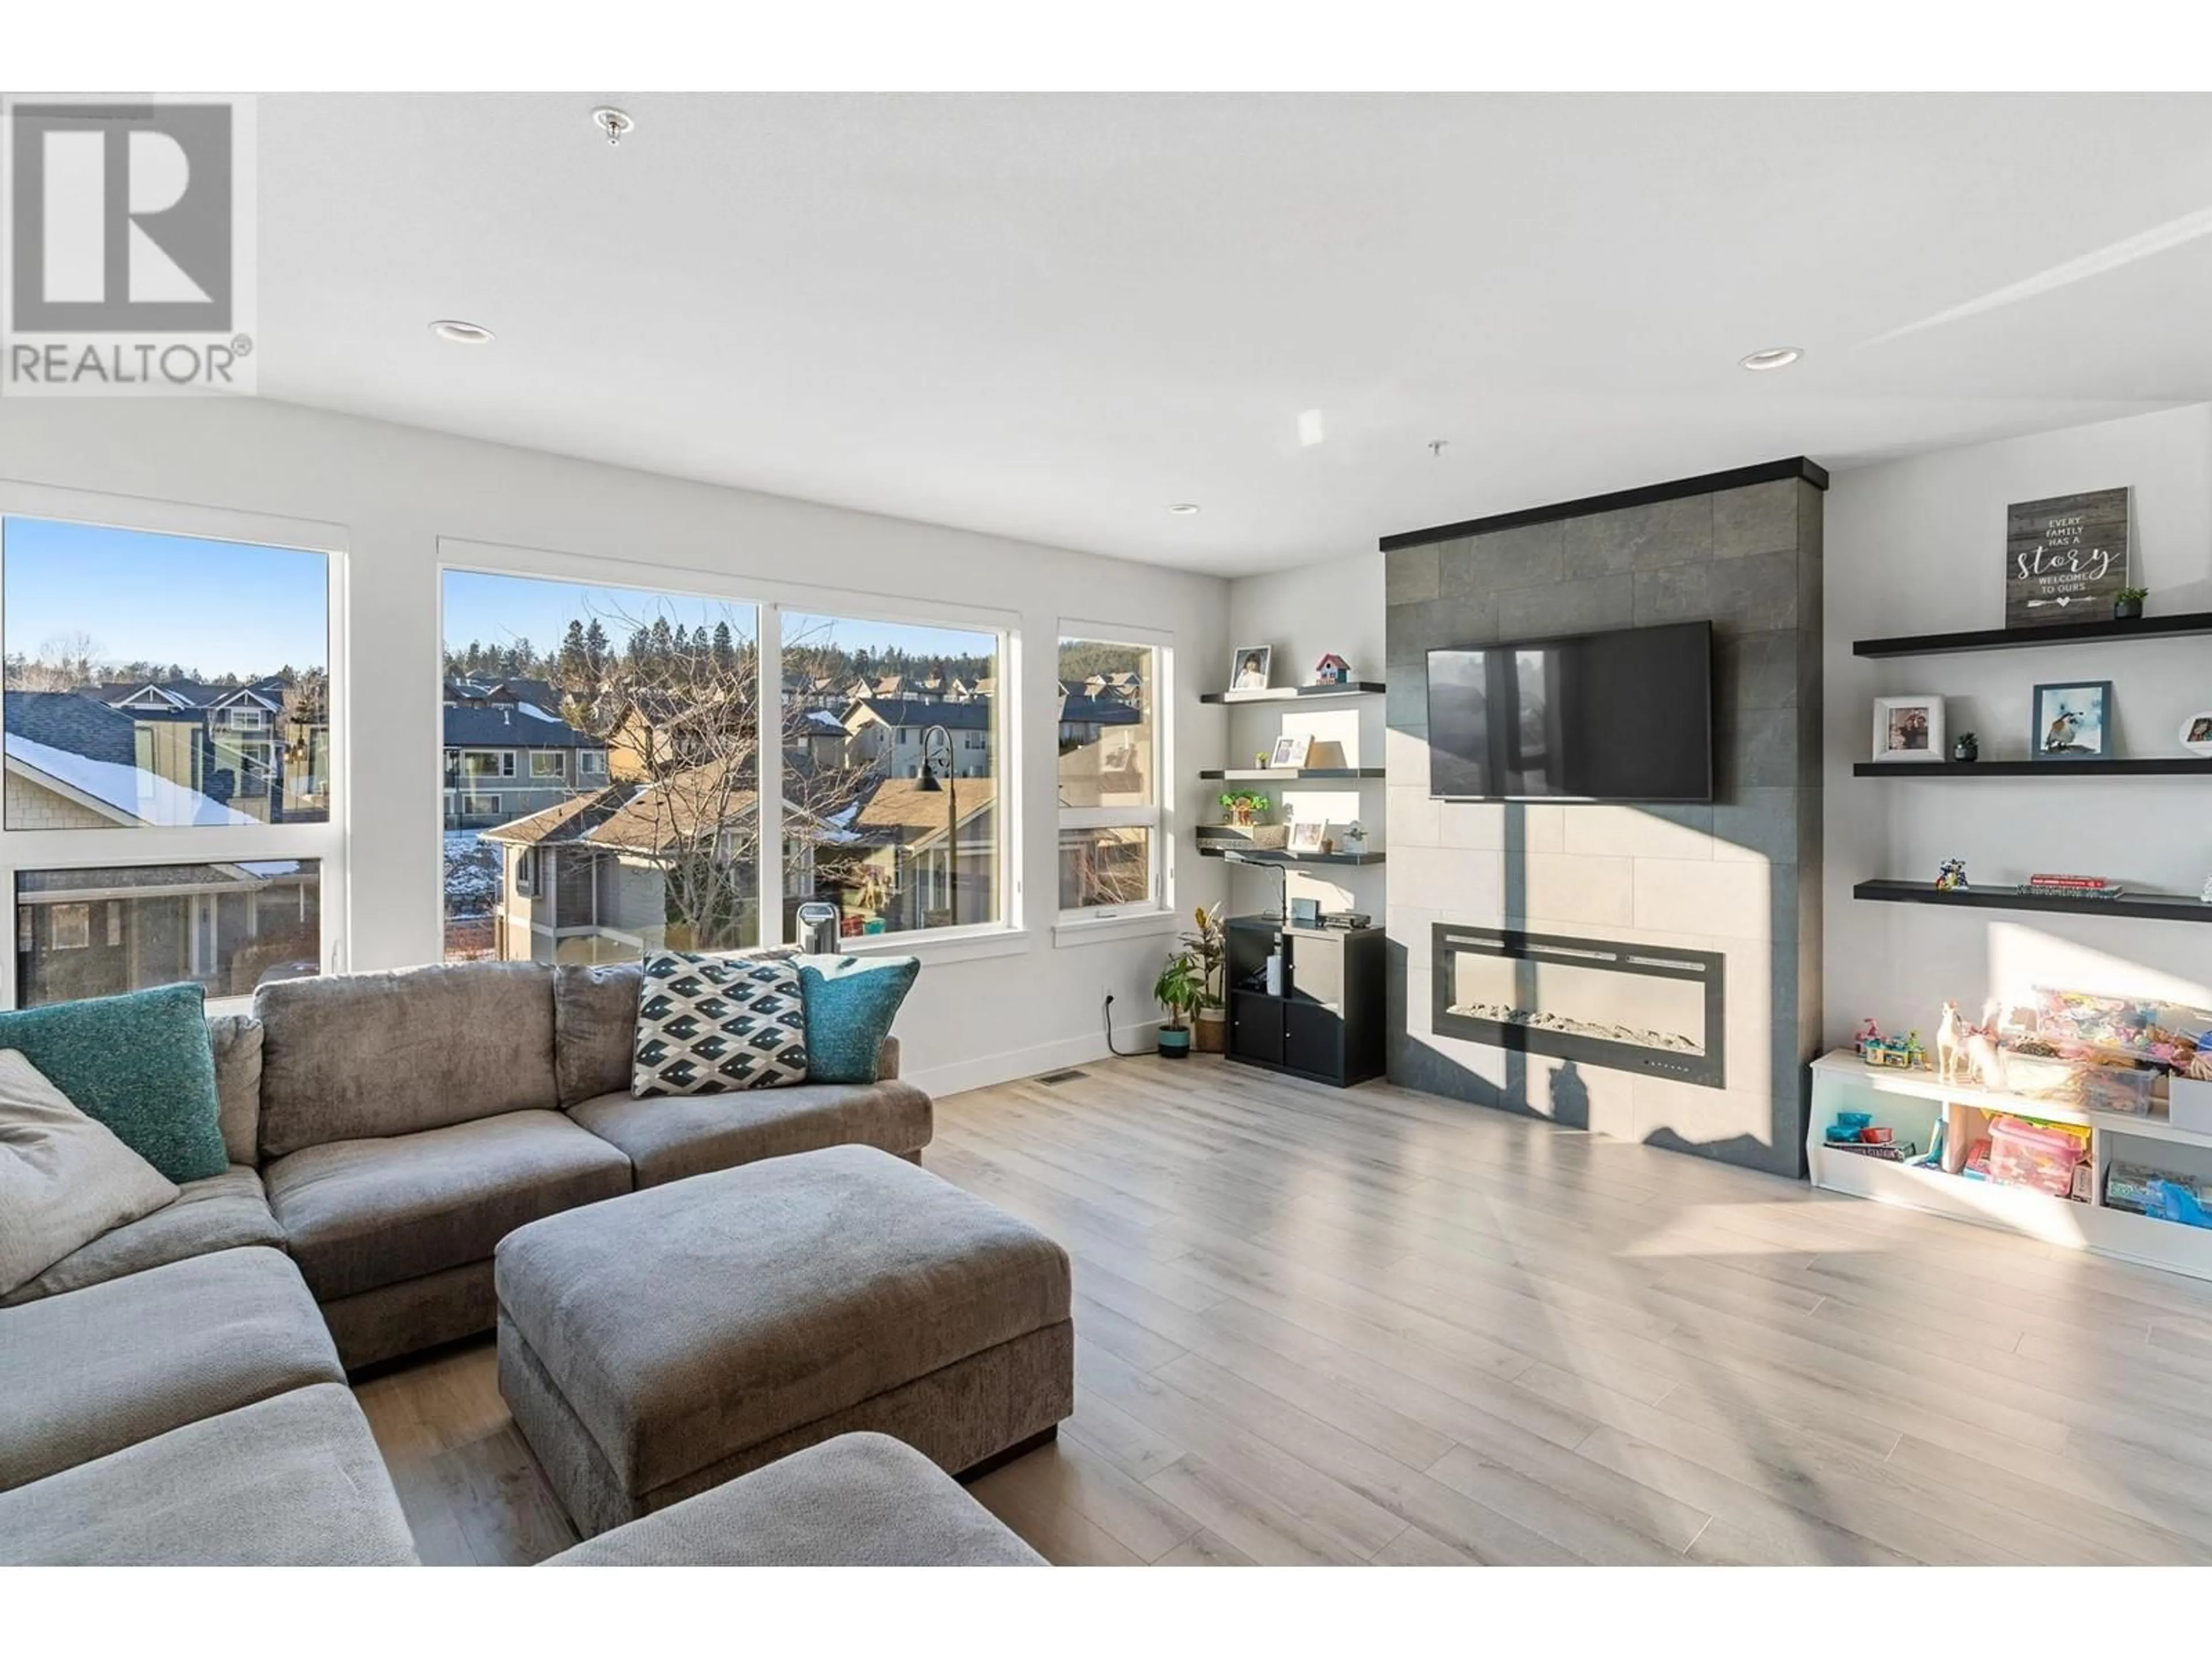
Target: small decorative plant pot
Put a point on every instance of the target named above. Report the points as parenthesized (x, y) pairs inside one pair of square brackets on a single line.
[(1966, 747), (1212, 1031), (1174, 1044), (2127, 609)]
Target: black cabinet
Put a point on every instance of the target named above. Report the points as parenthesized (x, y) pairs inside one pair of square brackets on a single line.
[(1326, 1022)]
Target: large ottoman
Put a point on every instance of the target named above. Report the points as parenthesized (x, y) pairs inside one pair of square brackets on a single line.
[(656, 1345)]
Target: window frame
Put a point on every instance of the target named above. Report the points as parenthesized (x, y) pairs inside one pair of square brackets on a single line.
[(1158, 816), (770, 599), (326, 842)]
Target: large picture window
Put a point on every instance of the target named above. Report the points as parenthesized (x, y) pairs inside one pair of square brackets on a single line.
[(622, 727), (893, 764), (1109, 778), (179, 686)]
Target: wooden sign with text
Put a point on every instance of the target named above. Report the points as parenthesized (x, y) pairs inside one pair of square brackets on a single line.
[(2065, 558)]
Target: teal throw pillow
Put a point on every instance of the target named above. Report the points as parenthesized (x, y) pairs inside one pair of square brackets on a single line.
[(141, 1064), (850, 1003)]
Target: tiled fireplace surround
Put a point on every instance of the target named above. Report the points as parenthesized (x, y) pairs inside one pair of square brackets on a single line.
[(1739, 878)]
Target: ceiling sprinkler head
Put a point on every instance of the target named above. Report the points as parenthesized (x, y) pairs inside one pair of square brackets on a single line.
[(616, 123), (1436, 447)]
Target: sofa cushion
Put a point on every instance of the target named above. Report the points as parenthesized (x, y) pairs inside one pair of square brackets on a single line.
[(851, 1002), (710, 1026), (89, 1374), (361, 1213), (861, 1500), (353, 1056), (594, 1028), (667, 1140), (294, 1480), (140, 1064), (236, 1040), (224, 1213), (682, 1324), (65, 1177)]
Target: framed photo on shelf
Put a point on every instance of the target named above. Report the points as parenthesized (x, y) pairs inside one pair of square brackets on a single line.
[(2196, 734), (1908, 728), (1248, 669), (1306, 835), (2073, 721), (1289, 753)]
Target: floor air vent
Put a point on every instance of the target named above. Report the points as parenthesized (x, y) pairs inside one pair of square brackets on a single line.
[(1062, 1077)]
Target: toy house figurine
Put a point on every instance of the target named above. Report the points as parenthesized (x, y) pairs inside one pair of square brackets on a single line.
[(1332, 670)]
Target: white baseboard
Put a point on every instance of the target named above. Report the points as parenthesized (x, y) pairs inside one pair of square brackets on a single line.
[(987, 1069)]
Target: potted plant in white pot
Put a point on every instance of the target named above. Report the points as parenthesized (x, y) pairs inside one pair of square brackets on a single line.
[(1181, 989)]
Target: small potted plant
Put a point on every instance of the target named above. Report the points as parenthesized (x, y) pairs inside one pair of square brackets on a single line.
[(1244, 806), (1210, 943), (1181, 989), (2127, 604)]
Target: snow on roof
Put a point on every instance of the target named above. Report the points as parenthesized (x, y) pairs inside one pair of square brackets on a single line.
[(143, 796)]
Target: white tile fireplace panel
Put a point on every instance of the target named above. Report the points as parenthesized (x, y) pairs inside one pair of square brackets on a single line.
[(1562, 887), (1632, 832), (1728, 897)]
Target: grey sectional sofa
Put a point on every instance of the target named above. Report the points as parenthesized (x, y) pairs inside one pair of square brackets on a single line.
[(387, 1130), (175, 1390)]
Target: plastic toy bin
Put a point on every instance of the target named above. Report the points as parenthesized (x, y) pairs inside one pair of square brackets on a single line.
[(2040, 1156)]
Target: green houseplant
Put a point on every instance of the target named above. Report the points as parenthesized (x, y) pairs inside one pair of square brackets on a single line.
[(1181, 989), (1209, 941), (1243, 806), (2127, 604)]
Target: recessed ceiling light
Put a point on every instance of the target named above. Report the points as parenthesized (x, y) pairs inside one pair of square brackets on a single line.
[(613, 123), (457, 332), (1772, 357), (1186, 508)]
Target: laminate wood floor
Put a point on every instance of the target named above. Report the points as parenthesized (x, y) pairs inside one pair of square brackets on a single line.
[(1375, 1326)]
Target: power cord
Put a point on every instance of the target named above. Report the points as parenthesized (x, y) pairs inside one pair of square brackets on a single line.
[(1134, 1053)]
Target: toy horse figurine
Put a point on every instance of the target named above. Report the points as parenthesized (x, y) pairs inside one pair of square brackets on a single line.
[(1950, 1043)]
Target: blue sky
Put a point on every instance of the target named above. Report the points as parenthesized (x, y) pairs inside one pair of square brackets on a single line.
[(230, 607), (216, 607)]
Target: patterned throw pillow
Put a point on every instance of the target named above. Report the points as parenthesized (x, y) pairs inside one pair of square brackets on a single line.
[(711, 1025)]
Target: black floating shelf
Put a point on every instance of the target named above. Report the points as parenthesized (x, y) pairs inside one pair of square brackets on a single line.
[(2146, 907), (2164, 766), (1292, 774), (1274, 857), (1295, 693), (2014, 638)]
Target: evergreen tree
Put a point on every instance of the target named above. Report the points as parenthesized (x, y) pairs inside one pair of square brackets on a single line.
[(641, 646), (726, 652), (596, 650), (663, 641), (574, 664)]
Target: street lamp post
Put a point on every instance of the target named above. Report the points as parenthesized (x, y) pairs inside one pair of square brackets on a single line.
[(937, 751)]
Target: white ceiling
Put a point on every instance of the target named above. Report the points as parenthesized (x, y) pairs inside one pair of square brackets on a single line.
[(1049, 317)]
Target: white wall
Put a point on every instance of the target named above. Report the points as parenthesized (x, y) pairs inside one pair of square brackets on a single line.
[(395, 491), (1917, 546), (1337, 606)]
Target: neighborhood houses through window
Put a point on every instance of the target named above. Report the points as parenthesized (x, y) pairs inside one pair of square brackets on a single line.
[(178, 686), (1110, 804), (624, 726), (892, 743)]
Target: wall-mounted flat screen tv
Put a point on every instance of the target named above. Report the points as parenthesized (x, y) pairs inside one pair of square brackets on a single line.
[(1624, 716)]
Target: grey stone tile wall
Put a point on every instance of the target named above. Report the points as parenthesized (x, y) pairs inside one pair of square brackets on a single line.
[(1746, 871)]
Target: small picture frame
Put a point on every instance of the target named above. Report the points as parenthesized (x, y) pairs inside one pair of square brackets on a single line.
[(1248, 668), (2072, 722), (2196, 734), (1289, 753), (1305, 913), (1309, 836), (1908, 729)]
